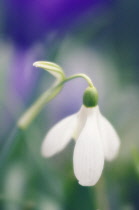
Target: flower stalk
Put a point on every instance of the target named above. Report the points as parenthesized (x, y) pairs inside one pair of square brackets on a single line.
[(35, 109), (26, 119)]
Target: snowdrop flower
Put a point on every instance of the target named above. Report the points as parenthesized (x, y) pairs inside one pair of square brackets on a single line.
[(95, 139)]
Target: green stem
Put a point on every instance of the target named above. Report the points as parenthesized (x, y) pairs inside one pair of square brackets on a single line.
[(34, 110), (102, 201), (84, 76)]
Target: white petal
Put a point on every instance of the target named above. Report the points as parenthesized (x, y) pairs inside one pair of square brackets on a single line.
[(88, 153), (59, 136), (110, 138), (81, 120)]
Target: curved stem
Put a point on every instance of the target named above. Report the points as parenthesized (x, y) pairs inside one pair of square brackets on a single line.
[(84, 76), (34, 110)]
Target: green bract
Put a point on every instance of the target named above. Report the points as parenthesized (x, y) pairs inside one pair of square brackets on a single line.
[(52, 68), (90, 97)]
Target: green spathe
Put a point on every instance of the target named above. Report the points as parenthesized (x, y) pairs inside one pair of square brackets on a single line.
[(90, 97)]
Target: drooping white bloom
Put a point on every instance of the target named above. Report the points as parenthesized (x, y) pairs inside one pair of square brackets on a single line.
[(96, 140)]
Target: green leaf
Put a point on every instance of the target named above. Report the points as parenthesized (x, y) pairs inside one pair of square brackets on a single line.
[(8, 148)]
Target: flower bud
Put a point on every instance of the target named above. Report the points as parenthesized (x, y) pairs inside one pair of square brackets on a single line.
[(90, 97)]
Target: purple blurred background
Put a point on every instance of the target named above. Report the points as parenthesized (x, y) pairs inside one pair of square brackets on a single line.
[(97, 37)]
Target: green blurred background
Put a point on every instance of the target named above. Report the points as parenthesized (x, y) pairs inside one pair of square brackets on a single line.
[(99, 38)]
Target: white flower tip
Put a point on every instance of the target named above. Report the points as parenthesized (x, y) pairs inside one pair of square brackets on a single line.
[(87, 183), (92, 178), (58, 137), (113, 151), (110, 138), (45, 152)]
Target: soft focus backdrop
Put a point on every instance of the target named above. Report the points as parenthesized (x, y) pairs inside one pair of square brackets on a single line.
[(99, 38)]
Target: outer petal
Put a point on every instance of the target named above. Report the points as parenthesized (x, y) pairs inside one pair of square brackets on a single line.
[(59, 136), (110, 138), (88, 154)]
